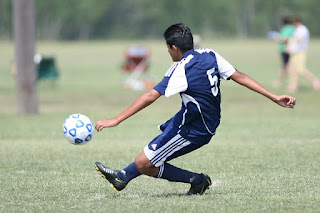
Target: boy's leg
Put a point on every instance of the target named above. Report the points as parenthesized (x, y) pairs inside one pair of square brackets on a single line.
[(153, 161), (118, 178), (293, 70), (165, 171), (307, 74), (199, 182), (283, 69)]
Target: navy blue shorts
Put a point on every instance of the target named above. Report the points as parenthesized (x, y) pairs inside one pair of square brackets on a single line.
[(169, 145), (285, 58)]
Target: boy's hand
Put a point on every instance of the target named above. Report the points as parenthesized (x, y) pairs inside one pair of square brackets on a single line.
[(286, 101), (106, 123)]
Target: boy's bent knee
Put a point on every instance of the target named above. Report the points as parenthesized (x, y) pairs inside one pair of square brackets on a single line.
[(142, 162), (144, 165)]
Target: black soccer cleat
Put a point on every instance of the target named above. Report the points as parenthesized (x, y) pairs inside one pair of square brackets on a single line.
[(111, 175), (200, 188)]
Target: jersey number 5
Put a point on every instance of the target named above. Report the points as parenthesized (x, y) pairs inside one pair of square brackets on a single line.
[(213, 79)]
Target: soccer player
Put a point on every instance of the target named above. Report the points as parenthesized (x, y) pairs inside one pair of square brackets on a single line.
[(195, 75)]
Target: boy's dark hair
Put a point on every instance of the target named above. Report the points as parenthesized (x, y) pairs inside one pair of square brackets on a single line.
[(286, 20), (179, 35)]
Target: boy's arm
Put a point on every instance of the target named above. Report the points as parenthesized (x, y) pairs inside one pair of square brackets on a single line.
[(143, 101), (283, 100)]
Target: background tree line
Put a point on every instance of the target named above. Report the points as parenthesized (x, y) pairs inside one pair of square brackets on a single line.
[(100, 19)]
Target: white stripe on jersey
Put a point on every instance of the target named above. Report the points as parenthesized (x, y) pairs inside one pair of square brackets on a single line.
[(178, 80), (171, 69), (187, 98), (183, 118)]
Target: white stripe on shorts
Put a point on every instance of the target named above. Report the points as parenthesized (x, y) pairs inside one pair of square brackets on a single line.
[(158, 157), (160, 171)]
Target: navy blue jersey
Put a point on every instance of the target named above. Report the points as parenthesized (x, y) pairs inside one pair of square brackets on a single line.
[(197, 78)]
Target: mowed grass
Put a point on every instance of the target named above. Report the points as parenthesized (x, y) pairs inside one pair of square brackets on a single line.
[(264, 158)]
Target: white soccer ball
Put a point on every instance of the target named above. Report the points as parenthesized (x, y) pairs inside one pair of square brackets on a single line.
[(78, 129)]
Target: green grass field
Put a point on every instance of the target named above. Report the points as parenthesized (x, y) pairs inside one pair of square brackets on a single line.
[(263, 158)]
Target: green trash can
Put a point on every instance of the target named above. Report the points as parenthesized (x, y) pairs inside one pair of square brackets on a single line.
[(47, 69)]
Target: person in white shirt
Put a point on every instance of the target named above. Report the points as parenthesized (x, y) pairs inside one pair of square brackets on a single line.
[(297, 46)]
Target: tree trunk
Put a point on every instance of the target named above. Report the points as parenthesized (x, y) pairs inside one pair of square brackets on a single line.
[(24, 37)]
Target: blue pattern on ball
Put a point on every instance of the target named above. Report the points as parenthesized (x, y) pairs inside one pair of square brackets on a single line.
[(73, 132), (88, 138), (89, 127), (76, 115), (78, 140), (79, 124)]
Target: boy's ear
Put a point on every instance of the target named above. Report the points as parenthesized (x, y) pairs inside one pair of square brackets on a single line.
[(175, 47)]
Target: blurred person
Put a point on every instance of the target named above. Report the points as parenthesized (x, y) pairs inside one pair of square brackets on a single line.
[(297, 46), (195, 75), (196, 41), (285, 33)]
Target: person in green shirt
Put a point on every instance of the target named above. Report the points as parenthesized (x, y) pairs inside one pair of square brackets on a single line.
[(285, 33)]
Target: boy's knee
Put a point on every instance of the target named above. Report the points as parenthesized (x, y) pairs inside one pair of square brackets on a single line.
[(144, 165), (142, 162)]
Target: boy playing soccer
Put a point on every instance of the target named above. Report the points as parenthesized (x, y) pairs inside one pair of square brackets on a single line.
[(195, 75)]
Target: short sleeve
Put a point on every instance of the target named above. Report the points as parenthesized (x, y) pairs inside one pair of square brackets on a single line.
[(224, 67)]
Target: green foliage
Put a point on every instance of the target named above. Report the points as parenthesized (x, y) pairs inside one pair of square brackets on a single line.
[(264, 158), (96, 19), (6, 18)]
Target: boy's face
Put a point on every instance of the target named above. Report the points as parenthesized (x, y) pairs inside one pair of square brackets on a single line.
[(174, 52), (296, 23)]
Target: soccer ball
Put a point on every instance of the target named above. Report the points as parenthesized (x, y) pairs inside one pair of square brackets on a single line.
[(78, 129)]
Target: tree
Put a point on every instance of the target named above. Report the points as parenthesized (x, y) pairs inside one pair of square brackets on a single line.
[(24, 36)]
